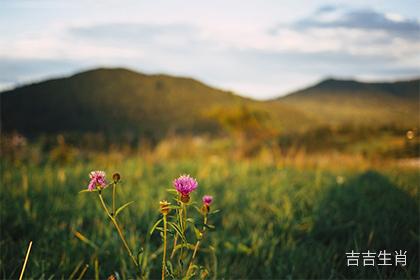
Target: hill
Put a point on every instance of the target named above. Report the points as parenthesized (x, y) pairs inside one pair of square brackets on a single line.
[(122, 102), (346, 101)]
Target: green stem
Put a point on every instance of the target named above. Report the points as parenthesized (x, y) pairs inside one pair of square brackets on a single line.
[(173, 250), (183, 223), (176, 235), (185, 218), (196, 246), (118, 229), (164, 247), (179, 216), (113, 199)]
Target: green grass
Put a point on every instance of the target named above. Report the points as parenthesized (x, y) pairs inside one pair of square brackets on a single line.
[(274, 223)]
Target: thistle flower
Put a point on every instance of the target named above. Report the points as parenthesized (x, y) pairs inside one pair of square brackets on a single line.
[(185, 184), (207, 200), (97, 178), (164, 207)]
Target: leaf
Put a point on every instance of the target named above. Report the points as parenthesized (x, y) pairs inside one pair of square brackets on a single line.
[(197, 233), (198, 209), (85, 239), (86, 190), (190, 220), (172, 191), (122, 208), (186, 245), (140, 256), (178, 230), (209, 226), (214, 212), (169, 268), (155, 225)]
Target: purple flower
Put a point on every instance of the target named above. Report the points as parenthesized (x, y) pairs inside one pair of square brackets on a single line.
[(97, 178), (185, 184), (207, 200)]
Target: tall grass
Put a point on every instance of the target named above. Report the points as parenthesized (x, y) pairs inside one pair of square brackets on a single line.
[(278, 220)]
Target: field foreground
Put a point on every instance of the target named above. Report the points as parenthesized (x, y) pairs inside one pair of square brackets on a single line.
[(275, 222)]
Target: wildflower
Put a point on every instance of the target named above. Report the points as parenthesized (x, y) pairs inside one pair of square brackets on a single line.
[(207, 200), (97, 178), (164, 207), (185, 184)]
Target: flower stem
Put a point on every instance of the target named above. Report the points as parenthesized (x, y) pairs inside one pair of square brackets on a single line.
[(196, 247), (183, 222), (164, 247), (114, 221), (179, 214), (113, 199), (173, 250)]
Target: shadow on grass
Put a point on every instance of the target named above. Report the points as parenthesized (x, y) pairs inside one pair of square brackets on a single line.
[(367, 213)]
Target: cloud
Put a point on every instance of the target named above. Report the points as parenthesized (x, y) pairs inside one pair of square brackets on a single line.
[(127, 34), (357, 32), (257, 58), (363, 19)]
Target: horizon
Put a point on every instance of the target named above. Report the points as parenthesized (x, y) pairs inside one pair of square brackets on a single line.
[(257, 50)]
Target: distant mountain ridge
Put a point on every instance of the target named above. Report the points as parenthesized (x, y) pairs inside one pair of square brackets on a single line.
[(408, 88), (120, 101), (335, 101)]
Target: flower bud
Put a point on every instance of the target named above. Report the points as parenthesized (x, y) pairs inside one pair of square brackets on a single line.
[(185, 198), (164, 207), (205, 209), (116, 177)]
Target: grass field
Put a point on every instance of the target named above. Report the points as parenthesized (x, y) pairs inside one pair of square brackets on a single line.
[(276, 221)]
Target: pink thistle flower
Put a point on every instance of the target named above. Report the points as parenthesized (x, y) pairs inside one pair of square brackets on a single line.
[(185, 184), (97, 178), (207, 200)]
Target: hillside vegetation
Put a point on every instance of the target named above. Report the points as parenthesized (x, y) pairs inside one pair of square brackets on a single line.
[(119, 101), (122, 103), (339, 101)]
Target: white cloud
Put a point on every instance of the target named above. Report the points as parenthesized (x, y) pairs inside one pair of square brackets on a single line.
[(249, 51)]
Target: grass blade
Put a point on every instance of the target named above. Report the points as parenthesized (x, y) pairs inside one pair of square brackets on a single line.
[(26, 260)]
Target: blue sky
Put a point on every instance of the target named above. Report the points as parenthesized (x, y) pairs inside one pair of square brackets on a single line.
[(260, 49)]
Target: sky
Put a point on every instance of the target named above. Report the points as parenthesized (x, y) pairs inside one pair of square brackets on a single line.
[(259, 49)]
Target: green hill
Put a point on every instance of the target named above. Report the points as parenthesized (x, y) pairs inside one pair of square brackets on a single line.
[(343, 101), (120, 101)]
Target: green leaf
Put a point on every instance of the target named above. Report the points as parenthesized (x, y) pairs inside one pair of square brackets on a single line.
[(198, 209), (209, 226), (214, 212), (185, 245), (86, 190), (178, 230), (169, 268), (140, 256), (197, 233), (190, 220), (84, 239), (122, 207), (155, 225), (171, 190)]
